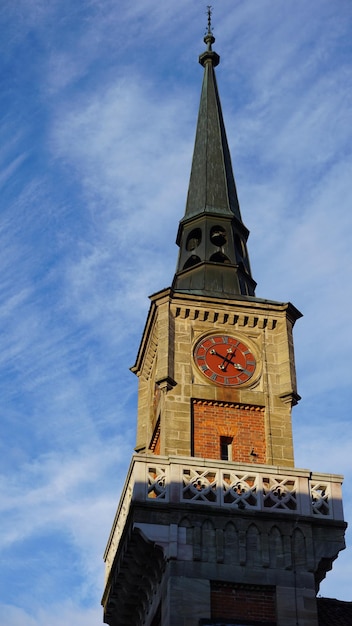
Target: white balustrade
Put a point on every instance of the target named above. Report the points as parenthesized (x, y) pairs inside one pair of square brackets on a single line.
[(226, 485)]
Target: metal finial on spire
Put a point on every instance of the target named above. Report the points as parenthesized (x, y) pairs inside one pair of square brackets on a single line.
[(210, 12), (209, 54), (209, 37)]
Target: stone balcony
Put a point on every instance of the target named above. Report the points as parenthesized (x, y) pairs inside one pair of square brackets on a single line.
[(232, 486)]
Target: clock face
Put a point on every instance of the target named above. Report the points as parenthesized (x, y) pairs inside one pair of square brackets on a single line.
[(224, 360)]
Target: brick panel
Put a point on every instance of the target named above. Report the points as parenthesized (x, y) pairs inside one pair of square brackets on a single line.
[(155, 443), (157, 446), (248, 602), (244, 424)]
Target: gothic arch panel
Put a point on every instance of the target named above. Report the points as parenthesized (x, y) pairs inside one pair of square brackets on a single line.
[(276, 548), (230, 544), (253, 546), (299, 550), (208, 541)]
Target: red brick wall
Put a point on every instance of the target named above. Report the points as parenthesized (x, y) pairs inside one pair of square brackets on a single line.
[(156, 449), (154, 445), (244, 424), (247, 602)]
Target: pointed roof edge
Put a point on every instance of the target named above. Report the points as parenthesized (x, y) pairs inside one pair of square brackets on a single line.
[(213, 257), (212, 187)]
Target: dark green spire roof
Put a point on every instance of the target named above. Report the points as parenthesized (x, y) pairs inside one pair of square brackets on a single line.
[(212, 185), (213, 257)]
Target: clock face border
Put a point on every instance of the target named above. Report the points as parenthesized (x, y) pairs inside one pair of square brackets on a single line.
[(217, 355)]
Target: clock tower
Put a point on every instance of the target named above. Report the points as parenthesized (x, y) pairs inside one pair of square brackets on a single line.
[(215, 524)]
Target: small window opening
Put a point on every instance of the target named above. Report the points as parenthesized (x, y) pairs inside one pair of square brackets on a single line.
[(239, 245), (226, 448), (194, 239), (219, 257), (192, 260), (218, 236)]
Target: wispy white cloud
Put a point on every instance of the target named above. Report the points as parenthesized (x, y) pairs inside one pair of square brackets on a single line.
[(44, 493), (127, 190), (64, 613), (56, 503)]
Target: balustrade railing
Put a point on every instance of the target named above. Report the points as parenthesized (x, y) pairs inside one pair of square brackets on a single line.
[(235, 486)]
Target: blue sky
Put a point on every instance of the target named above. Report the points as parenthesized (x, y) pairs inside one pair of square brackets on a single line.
[(99, 101)]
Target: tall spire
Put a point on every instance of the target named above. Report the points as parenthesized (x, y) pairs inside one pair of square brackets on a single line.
[(213, 257)]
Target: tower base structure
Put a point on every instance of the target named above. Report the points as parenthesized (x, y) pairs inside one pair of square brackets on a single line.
[(200, 542)]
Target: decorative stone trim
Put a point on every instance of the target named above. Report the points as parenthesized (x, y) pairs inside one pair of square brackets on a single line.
[(140, 555), (321, 496), (156, 482), (234, 405), (227, 486), (231, 319), (151, 354)]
